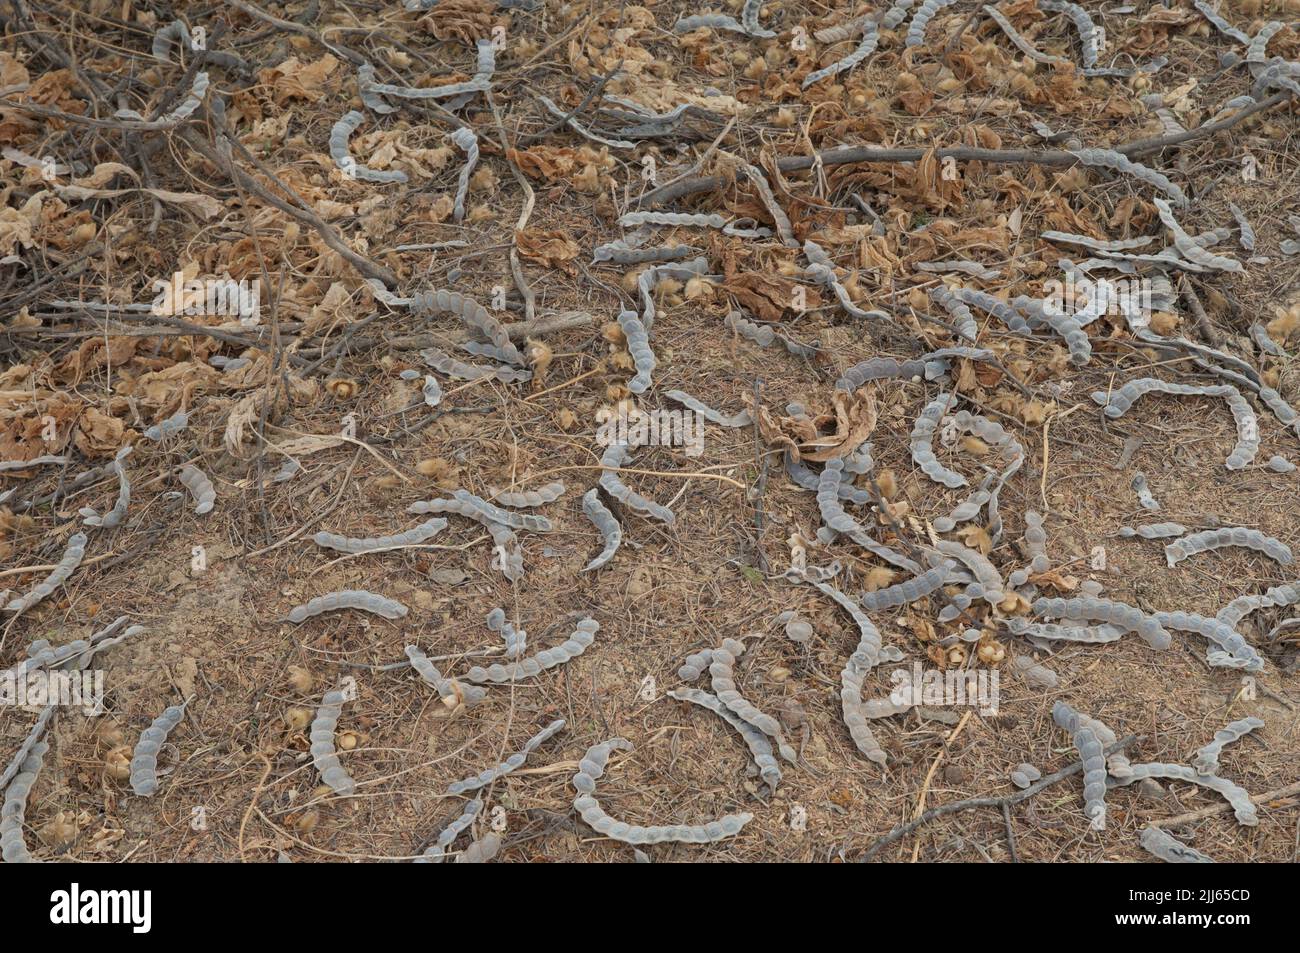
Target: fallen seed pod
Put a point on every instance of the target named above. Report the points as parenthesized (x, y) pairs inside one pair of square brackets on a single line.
[(512, 763), (1025, 774), (1064, 633), (351, 544), (1117, 763), (918, 587), (47, 459), (606, 524), (473, 315), (467, 142), (13, 812), (782, 221), (67, 565), (200, 487), (592, 767), (993, 589), (921, 19), (371, 91), (994, 306), (1039, 676), (449, 690), (621, 254), (465, 503), (1089, 747), (1242, 806), (480, 851), (114, 516), (1158, 842), (1210, 539), (169, 427), (1257, 48), (1206, 760), (967, 327), (1153, 530), (580, 129), (1118, 614), (723, 677), (1109, 159), (973, 268), (583, 635), (516, 640), (323, 753), (1140, 487), (1236, 651), (638, 344), (760, 749), (436, 852), (358, 599), (1014, 36), (339, 135), (1246, 234), (524, 499), (922, 444), (1188, 247), (144, 757), (176, 33), (1082, 23), (635, 219), (741, 419), (616, 455), (1117, 403), (25, 749), (878, 368)]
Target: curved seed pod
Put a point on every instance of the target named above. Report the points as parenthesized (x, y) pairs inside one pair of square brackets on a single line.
[(13, 812), (1236, 651), (71, 559), (918, 587), (25, 749), (1014, 36), (844, 31), (473, 315), (114, 516), (1106, 158), (922, 445), (1266, 345), (649, 280), (1206, 760), (856, 712), (985, 573), (480, 851), (583, 635), (449, 690), (1118, 614), (1257, 48), (339, 135), (323, 753), (868, 653), (1223, 26), (973, 268), (749, 20), (1242, 806), (1280, 464), (967, 326), (760, 749), (47, 459), (590, 770), (512, 763), (828, 499), (580, 129), (922, 18), (866, 46), (1024, 774), (638, 344), (1188, 247), (436, 852), (169, 427), (760, 334), (516, 640), (782, 222), (822, 271), (878, 368), (1140, 487), (1068, 326), (1209, 539), (1094, 764), (1121, 244), (200, 487), (695, 665), (548, 493), (467, 142), (723, 677), (431, 391), (1154, 840), (508, 554), (994, 306), (144, 758), (1094, 635), (606, 524), (1117, 763), (371, 91), (1154, 530), (358, 599), (810, 480), (1036, 541), (1247, 424), (446, 364), (175, 32), (1082, 23), (741, 419), (621, 254), (465, 503), (615, 456), (1242, 606), (701, 220)]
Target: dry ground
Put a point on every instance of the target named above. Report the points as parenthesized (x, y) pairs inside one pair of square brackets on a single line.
[(216, 635)]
